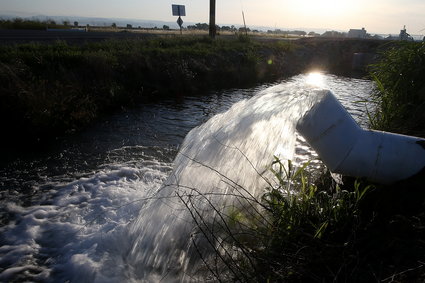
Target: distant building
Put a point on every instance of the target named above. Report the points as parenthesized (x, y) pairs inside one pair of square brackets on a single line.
[(376, 36), (313, 34), (357, 33), (404, 35)]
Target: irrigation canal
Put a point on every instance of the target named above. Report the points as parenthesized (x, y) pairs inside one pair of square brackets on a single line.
[(64, 213)]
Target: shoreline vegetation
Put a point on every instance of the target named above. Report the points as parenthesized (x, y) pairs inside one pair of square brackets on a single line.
[(50, 90)]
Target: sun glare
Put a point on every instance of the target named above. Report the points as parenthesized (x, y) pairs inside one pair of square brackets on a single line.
[(315, 79), (323, 7)]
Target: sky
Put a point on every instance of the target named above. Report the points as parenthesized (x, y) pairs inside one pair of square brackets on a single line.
[(377, 16)]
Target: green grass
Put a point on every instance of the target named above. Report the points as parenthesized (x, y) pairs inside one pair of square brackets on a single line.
[(400, 96), (307, 229), (52, 89), (351, 232)]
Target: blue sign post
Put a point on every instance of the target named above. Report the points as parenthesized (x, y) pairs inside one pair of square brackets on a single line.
[(180, 11)]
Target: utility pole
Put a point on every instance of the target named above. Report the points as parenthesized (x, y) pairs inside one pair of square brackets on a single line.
[(244, 24), (212, 19)]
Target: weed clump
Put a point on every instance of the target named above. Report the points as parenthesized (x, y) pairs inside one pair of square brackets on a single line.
[(400, 96), (315, 230)]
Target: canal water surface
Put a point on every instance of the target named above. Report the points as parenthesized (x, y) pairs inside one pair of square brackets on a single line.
[(70, 214)]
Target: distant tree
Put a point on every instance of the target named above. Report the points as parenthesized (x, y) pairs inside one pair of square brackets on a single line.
[(333, 34), (65, 23), (129, 26), (199, 26), (114, 25), (75, 24), (19, 23), (242, 29), (165, 27), (203, 26), (50, 22)]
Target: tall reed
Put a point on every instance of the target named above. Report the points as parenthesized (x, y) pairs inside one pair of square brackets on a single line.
[(400, 96)]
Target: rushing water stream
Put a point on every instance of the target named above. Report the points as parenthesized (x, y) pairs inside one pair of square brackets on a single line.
[(106, 205)]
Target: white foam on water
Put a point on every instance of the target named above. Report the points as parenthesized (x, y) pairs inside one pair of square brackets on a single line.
[(80, 231)]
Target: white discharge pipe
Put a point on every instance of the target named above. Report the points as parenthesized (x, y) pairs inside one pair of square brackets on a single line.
[(347, 149)]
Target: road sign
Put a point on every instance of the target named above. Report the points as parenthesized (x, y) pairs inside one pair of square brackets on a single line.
[(178, 10), (180, 22)]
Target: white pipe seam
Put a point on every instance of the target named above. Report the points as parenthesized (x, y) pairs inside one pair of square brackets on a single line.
[(347, 149)]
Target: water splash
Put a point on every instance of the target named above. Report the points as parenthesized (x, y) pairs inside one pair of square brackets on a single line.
[(220, 163), (90, 220)]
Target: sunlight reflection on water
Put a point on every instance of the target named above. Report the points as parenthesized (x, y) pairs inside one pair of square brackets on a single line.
[(316, 79)]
